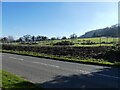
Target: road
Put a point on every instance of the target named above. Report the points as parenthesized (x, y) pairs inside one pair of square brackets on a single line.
[(59, 74)]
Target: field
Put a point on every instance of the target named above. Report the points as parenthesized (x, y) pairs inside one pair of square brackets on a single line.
[(103, 41), (13, 82)]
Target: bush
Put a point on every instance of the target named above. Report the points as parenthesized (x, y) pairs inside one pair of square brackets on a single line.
[(88, 42), (64, 43), (34, 43), (103, 42), (28, 43)]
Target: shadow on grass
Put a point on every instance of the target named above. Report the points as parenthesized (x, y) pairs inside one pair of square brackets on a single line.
[(103, 78)]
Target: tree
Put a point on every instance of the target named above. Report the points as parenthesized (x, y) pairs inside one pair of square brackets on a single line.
[(38, 38), (53, 38), (4, 39), (44, 38), (41, 38), (73, 36), (27, 38), (33, 38), (64, 37), (20, 39)]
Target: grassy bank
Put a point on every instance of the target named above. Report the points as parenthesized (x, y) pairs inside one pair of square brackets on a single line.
[(13, 82), (70, 59)]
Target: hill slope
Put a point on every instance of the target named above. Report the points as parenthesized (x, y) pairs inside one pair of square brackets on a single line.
[(105, 32)]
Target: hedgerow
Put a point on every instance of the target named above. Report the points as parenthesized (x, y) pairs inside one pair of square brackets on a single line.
[(111, 54)]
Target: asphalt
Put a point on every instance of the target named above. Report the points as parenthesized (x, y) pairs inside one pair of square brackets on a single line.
[(50, 73)]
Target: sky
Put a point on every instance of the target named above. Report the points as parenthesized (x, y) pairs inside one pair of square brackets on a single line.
[(56, 19)]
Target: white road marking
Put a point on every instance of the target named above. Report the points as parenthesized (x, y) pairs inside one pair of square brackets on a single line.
[(13, 57), (83, 71), (46, 64), (20, 59), (17, 58)]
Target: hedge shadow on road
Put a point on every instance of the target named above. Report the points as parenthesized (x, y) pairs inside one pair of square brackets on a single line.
[(100, 79)]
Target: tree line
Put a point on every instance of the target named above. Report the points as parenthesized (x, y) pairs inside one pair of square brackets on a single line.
[(29, 38)]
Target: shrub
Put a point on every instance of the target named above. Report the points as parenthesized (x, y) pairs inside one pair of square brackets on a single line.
[(34, 43), (87, 42), (64, 43), (103, 42), (28, 43)]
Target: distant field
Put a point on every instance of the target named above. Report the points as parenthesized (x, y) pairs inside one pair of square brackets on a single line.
[(79, 42)]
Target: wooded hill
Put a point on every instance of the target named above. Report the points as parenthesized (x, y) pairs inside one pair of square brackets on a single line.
[(113, 31)]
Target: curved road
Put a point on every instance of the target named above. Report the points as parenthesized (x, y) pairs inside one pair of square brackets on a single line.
[(58, 74)]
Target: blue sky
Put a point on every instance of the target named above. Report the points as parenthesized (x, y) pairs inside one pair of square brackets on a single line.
[(55, 18)]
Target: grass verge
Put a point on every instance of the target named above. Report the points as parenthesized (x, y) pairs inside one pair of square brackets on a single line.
[(70, 59), (13, 82)]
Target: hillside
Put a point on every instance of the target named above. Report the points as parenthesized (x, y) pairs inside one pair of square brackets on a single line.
[(105, 32)]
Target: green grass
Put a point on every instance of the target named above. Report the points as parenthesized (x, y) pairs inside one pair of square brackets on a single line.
[(77, 42), (70, 59), (13, 82)]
